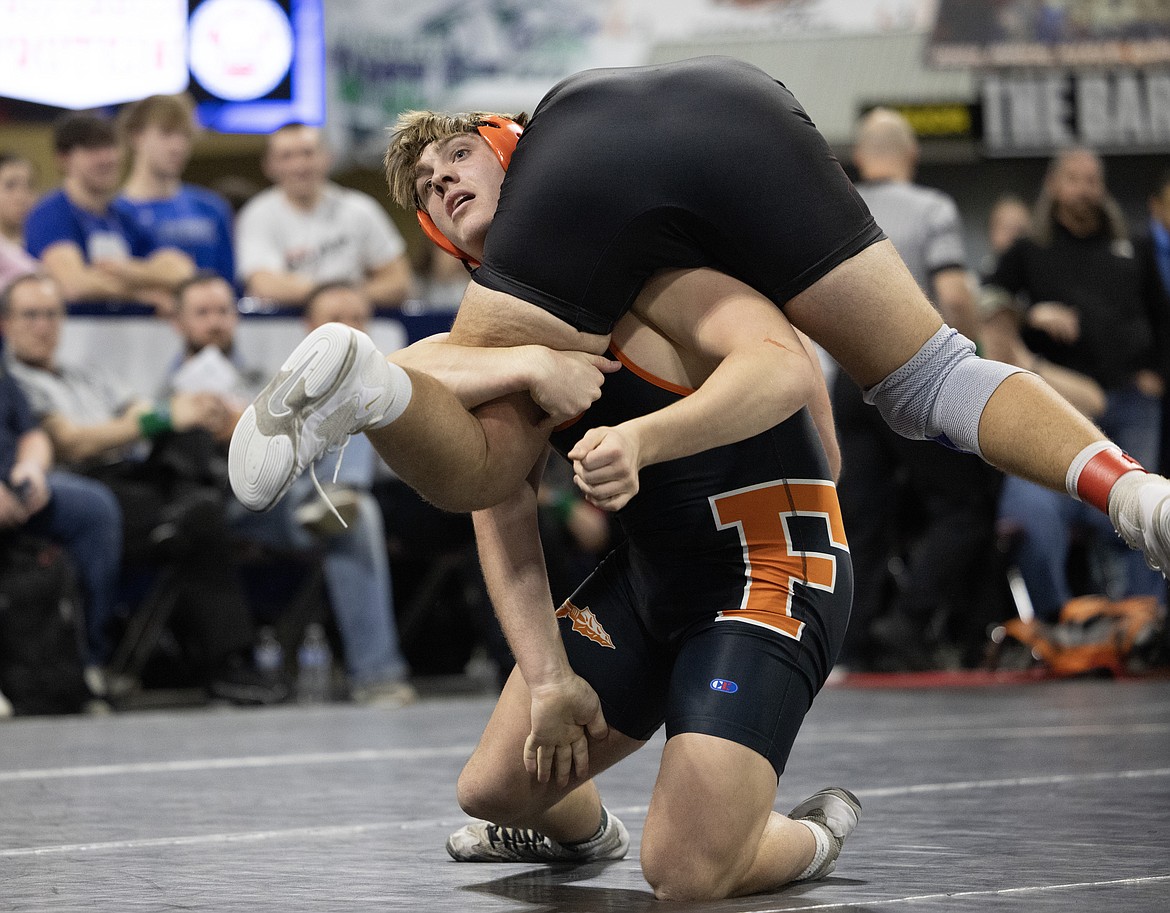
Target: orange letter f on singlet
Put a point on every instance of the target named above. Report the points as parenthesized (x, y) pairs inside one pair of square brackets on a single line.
[(772, 563)]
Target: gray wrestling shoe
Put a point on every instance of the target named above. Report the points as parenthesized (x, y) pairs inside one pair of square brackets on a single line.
[(485, 842), (334, 384), (836, 811)]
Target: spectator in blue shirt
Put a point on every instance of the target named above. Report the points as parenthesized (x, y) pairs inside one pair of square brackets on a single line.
[(88, 242), (159, 133)]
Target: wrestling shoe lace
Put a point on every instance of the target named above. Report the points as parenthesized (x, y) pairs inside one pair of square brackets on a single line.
[(336, 469), (516, 839), (487, 842)]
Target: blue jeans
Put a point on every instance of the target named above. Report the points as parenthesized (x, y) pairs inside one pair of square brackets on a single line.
[(1047, 519), (83, 516), (357, 579)]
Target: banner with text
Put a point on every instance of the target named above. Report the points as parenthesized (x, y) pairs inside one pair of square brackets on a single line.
[(992, 34), (388, 56), (1037, 113)]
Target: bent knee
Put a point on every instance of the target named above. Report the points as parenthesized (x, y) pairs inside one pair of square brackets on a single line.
[(491, 797), (685, 876), (684, 886), (476, 795)]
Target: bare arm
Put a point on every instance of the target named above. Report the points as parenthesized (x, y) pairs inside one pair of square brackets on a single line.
[(761, 373), (34, 458), (563, 384), (389, 285), (475, 375), (758, 373), (76, 443), (78, 280), (564, 707), (34, 449), (513, 564), (164, 269), (462, 461), (820, 405), (465, 462), (287, 288)]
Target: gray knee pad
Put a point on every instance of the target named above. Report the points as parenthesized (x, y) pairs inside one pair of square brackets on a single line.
[(939, 394)]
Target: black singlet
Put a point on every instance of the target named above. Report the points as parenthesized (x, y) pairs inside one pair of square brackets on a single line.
[(725, 607), (703, 163)]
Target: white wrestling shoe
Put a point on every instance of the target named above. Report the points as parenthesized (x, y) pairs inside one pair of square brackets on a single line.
[(485, 842), (1139, 507), (836, 812), (334, 384)]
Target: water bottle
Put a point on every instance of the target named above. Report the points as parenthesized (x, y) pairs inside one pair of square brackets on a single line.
[(314, 667), (268, 655)]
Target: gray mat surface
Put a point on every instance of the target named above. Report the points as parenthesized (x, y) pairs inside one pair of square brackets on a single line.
[(1051, 796)]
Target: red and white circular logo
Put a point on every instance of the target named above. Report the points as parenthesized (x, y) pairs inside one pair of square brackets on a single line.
[(240, 49)]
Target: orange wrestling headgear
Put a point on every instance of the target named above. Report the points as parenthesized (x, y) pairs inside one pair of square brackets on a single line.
[(501, 134)]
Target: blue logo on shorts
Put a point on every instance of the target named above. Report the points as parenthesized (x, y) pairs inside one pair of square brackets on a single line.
[(722, 684)]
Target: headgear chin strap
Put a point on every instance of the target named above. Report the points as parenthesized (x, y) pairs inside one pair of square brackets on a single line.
[(501, 134)]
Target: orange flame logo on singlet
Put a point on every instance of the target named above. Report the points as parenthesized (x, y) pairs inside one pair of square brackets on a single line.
[(586, 624)]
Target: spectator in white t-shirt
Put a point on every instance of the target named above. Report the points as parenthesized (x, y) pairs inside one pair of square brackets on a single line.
[(307, 230)]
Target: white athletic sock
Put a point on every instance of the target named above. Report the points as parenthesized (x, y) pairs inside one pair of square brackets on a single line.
[(395, 379), (824, 847)]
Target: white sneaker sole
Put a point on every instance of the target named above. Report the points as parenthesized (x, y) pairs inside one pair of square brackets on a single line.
[(264, 458)]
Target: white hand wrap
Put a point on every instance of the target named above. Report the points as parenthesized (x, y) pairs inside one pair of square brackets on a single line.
[(1139, 506)]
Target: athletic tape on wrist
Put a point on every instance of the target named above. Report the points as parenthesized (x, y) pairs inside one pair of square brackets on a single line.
[(1091, 476)]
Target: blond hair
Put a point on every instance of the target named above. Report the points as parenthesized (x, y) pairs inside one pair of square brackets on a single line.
[(413, 132), (167, 112)]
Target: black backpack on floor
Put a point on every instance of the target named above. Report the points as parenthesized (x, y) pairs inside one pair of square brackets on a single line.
[(41, 668)]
